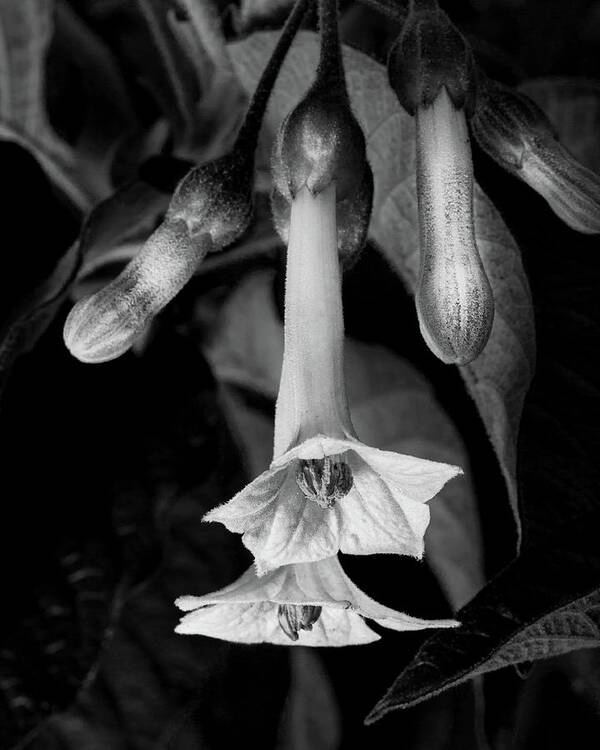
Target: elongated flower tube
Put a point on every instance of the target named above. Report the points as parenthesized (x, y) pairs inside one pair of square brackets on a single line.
[(309, 604), (515, 132), (325, 490), (455, 304)]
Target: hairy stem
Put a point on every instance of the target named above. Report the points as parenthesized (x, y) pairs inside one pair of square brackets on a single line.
[(247, 137)]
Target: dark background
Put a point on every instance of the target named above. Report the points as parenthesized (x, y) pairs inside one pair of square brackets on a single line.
[(105, 469)]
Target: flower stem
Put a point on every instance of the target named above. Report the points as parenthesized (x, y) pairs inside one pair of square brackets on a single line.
[(330, 71), (247, 137)]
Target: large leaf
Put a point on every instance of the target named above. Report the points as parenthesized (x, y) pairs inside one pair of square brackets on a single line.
[(498, 379), (546, 601), (25, 32), (392, 406)]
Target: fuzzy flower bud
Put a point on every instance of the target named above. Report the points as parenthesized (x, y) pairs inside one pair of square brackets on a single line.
[(515, 132), (454, 299), (320, 142), (210, 208), (429, 54)]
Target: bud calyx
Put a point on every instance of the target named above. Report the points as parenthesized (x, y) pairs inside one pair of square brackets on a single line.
[(429, 54)]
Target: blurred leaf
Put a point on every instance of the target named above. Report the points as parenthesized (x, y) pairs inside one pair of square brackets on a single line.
[(194, 82), (163, 457), (251, 14), (25, 31), (573, 106), (499, 378), (392, 406), (311, 719), (30, 317), (99, 94), (558, 705)]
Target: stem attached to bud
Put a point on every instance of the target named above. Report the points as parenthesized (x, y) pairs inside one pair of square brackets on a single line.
[(454, 299), (247, 137), (103, 326), (330, 71)]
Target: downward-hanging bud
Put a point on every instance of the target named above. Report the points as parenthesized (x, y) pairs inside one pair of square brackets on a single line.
[(104, 325), (515, 132), (455, 304), (431, 71), (210, 208)]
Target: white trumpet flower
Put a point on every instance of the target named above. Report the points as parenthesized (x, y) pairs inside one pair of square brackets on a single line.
[(325, 491), (306, 604)]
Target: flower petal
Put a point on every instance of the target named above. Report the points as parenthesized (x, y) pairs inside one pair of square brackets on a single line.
[(246, 610), (318, 446), (387, 617), (279, 525), (251, 505), (407, 476), (375, 521), (258, 623), (414, 478)]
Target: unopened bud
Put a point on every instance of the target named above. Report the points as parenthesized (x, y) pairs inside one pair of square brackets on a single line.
[(320, 142), (353, 217), (454, 299), (515, 132), (296, 617), (103, 326), (429, 54), (210, 208)]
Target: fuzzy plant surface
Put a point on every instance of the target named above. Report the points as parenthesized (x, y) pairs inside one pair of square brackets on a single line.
[(299, 393)]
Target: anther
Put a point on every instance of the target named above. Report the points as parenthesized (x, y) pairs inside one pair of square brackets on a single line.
[(324, 480), (295, 617)]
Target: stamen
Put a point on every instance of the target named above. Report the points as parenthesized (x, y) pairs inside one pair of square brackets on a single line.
[(324, 480), (295, 617)]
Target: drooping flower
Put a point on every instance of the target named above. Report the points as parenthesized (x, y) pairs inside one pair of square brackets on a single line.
[(325, 491), (306, 604)]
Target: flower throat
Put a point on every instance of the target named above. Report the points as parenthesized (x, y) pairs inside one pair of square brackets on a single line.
[(324, 480)]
